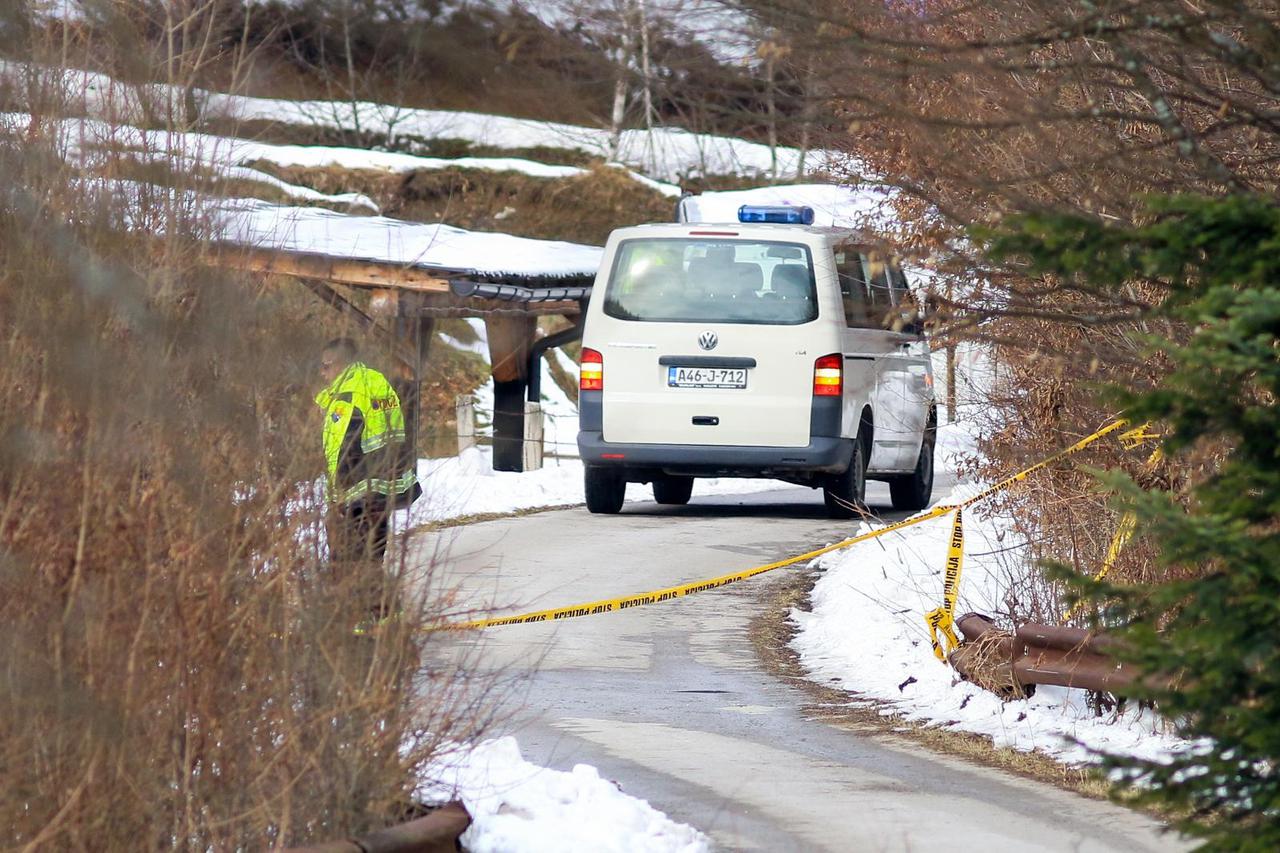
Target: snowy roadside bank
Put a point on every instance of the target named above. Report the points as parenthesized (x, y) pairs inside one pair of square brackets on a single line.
[(865, 633), (519, 807), (663, 154)]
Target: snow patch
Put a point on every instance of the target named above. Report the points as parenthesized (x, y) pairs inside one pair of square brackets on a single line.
[(378, 238), (519, 807), (666, 153)]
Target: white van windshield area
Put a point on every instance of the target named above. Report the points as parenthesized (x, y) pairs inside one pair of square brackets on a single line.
[(712, 281)]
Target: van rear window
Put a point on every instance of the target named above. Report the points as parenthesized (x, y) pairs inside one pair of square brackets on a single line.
[(712, 281)]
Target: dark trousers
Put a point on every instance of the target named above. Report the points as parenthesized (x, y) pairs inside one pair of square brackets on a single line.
[(357, 545), (358, 532)]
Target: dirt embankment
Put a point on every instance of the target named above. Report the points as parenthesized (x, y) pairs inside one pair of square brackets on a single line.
[(580, 209)]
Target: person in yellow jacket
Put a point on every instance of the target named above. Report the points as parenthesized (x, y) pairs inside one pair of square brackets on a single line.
[(370, 469)]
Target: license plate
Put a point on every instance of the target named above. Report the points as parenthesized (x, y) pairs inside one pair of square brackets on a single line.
[(706, 377)]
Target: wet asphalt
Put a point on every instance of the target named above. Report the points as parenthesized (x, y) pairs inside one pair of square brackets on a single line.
[(672, 703)]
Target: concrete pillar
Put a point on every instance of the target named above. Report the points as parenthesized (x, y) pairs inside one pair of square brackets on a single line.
[(533, 426), (465, 411)]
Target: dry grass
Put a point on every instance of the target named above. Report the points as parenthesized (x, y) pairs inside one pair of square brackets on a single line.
[(988, 663), (180, 670), (581, 209)]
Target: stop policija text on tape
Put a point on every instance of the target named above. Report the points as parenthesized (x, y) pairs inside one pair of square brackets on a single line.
[(940, 620)]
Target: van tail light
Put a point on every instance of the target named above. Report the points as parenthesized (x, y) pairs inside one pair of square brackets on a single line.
[(591, 371), (828, 376)]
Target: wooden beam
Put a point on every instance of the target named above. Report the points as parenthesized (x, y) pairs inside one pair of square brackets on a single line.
[(509, 342), (418, 333), (356, 273)]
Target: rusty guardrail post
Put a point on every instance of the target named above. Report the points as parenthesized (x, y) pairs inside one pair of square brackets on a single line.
[(438, 832)]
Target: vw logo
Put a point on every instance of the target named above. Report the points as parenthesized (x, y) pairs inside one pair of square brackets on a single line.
[(708, 340)]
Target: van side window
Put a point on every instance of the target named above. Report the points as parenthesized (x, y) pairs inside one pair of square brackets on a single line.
[(898, 282), (906, 315), (881, 290), (853, 287)]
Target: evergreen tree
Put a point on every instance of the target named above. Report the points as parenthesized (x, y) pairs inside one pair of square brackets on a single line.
[(1207, 634)]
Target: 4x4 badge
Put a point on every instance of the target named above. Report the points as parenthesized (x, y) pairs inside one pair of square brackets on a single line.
[(708, 340)]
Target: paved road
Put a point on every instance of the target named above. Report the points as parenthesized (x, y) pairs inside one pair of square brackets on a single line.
[(671, 701)]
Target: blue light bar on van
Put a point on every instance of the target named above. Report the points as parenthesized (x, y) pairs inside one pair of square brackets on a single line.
[(781, 215)]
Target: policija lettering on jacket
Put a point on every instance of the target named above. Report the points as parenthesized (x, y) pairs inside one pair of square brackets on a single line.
[(370, 468)]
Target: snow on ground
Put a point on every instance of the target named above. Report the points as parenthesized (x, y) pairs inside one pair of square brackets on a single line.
[(665, 153), (519, 807), (86, 143), (309, 229), (866, 634), (263, 224), (466, 484), (230, 156), (295, 192), (323, 156)]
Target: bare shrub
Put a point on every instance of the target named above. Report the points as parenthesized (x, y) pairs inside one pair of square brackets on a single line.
[(181, 670)]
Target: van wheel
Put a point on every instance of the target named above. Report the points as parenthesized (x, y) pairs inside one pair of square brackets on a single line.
[(605, 489), (846, 494), (914, 491), (672, 490)]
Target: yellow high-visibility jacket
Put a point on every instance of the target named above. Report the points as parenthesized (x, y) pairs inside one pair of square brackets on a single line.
[(364, 439)]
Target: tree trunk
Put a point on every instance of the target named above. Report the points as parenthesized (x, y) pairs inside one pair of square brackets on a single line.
[(619, 103), (646, 73), (807, 111), (771, 110)]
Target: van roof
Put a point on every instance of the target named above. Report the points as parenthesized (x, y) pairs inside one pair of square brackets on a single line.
[(744, 229)]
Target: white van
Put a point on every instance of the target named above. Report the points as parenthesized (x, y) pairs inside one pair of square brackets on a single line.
[(762, 348)]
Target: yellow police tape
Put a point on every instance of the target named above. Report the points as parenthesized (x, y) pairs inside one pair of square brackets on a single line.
[(941, 620), (1128, 521), (613, 605), (1124, 530)]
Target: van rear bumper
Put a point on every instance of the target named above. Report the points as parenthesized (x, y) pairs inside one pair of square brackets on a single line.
[(823, 455)]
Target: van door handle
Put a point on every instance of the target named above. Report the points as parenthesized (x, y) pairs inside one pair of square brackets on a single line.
[(705, 420)]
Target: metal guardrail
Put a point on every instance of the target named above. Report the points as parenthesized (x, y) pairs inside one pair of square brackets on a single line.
[(1013, 664), (438, 832)]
